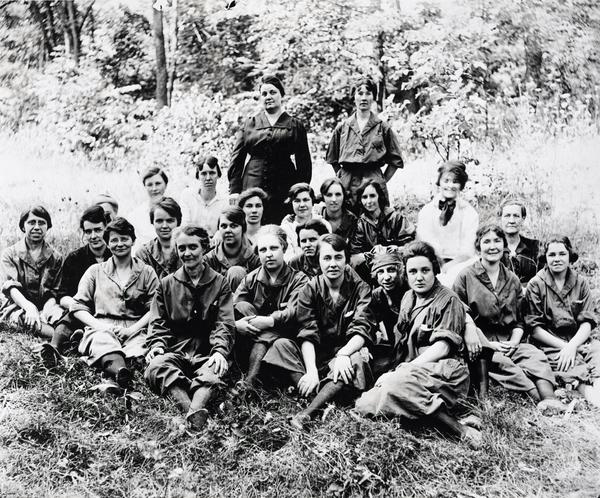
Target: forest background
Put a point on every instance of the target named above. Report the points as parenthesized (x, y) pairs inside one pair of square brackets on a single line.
[(91, 93)]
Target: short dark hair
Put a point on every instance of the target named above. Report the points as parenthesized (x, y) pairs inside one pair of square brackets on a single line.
[(276, 231), (456, 168), (367, 82), (252, 192), (313, 224), (153, 171), (271, 79), (234, 214), (121, 226), (93, 214), (559, 239), (334, 180), (337, 242), (513, 202), (298, 188), (169, 205), (211, 161), (381, 193), (193, 231), (415, 249), (39, 211), (487, 228)]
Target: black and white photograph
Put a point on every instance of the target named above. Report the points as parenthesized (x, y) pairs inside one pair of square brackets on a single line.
[(299, 248)]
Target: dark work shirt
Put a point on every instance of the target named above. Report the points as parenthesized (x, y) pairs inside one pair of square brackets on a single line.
[(525, 263), (73, 268)]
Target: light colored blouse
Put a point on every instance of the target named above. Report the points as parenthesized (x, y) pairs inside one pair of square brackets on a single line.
[(455, 239)]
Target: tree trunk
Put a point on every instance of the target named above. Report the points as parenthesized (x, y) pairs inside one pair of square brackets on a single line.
[(161, 59), (172, 44), (73, 30), (47, 47)]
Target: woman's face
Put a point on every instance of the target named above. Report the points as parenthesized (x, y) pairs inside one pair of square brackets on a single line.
[(419, 272), (388, 277), (334, 198), (363, 98), (308, 240), (370, 199), (512, 219), (208, 177), (270, 252), (253, 209), (119, 245), (164, 224), (189, 250), (449, 186), (93, 233), (491, 247), (332, 262), (270, 98), (302, 205), (557, 257), (155, 186), (231, 232), (35, 228)]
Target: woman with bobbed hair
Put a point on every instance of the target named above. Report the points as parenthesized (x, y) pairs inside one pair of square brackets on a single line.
[(380, 228), (362, 144), (302, 198), (448, 222), (561, 316), (253, 202), (155, 182), (191, 332), (113, 303), (233, 256), (160, 253), (337, 210), (30, 274), (494, 296), (270, 138), (265, 302), (430, 375)]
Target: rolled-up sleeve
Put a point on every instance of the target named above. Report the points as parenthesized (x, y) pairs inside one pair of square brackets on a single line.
[(84, 299), (587, 313), (307, 315), (9, 271), (449, 324), (222, 336)]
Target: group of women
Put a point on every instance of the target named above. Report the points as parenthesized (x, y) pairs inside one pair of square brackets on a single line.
[(343, 295)]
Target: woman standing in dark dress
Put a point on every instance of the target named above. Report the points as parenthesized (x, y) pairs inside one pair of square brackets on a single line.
[(270, 138)]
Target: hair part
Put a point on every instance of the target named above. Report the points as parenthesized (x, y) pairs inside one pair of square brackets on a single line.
[(313, 224), (416, 249), (170, 206), (367, 82), (487, 228), (153, 171), (194, 231), (559, 239), (252, 192), (512, 202), (381, 194), (455, 168), (336, 242), (235, 215), (93, 214), (211, 161), (39, 211), (120, 226), (275, 231), (297, 189)]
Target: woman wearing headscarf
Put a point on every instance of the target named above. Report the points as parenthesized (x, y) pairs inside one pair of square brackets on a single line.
[(270, 139)]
